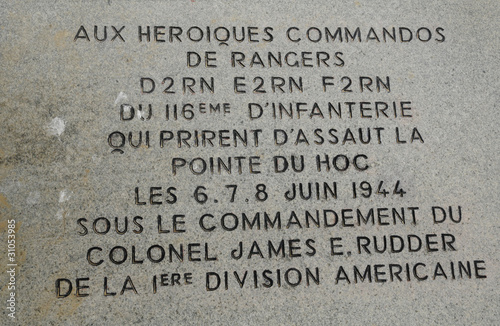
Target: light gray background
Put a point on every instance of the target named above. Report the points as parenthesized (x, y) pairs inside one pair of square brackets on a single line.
[(49, 180)]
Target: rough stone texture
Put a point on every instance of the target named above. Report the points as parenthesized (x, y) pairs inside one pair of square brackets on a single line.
[(60, 100)]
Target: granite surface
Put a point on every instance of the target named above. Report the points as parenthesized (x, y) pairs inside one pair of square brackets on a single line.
[(149, 152)]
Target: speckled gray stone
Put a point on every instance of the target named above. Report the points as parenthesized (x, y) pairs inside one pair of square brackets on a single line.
[(61, 166)]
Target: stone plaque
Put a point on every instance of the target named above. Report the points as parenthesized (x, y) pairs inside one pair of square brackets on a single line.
[(202, 162)]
